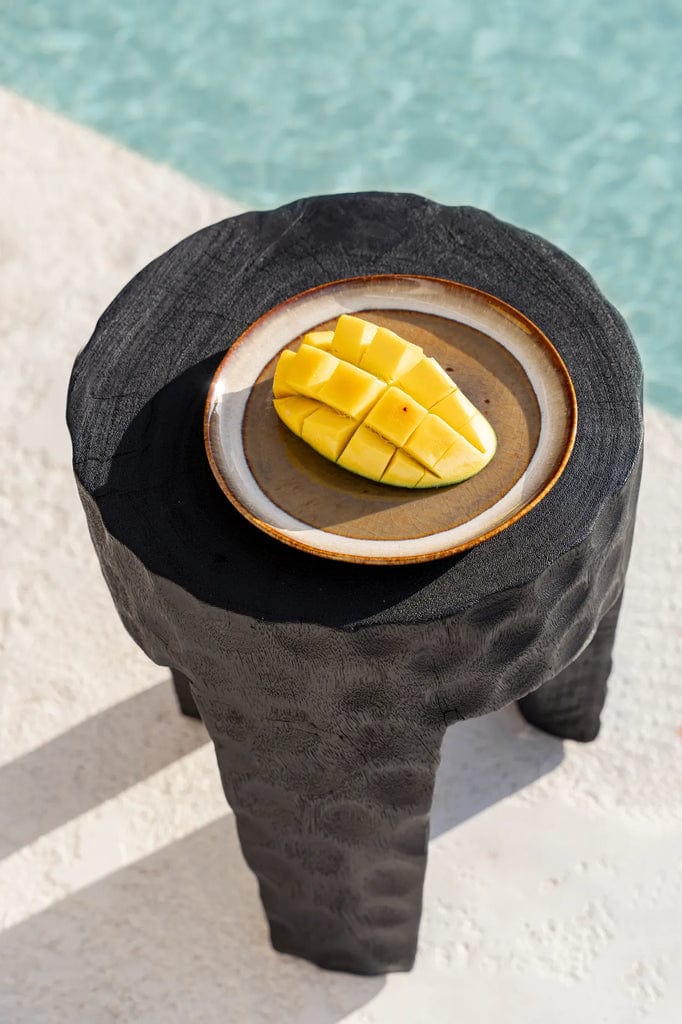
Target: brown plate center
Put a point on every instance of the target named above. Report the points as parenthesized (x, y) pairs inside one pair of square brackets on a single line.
[(321, 494)]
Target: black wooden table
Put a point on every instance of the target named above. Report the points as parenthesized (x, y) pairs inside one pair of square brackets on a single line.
[(327, 686)]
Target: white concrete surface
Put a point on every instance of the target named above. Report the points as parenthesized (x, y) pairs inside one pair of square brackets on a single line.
[(123, 894)]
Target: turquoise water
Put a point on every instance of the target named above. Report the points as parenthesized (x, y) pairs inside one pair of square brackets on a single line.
[(564, 118)]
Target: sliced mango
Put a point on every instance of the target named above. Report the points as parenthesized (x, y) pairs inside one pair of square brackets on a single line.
[(479, 433), (372, 402), (280, 385), (319, 339), (427, 381), (293, 411), (351, 337), (430, 441), (458, 462), (395, 416), (463, 416), (327, 431), (430, 480), (455, 409), (388, 356), (351, 390), (309, 370), (402, 471), (366, 453)]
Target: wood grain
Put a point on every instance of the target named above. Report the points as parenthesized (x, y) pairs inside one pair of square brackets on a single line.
[(326, 686)]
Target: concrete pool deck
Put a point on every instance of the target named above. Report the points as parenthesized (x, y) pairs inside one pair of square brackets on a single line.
[(125, 896)]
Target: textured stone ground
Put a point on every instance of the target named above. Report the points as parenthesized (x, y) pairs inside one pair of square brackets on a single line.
[(124, 893)]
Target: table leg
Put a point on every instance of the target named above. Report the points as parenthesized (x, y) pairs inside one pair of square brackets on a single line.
[(570, 704), (333, 818), (184, 694)]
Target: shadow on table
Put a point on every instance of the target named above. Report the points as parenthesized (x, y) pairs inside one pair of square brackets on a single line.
[(482, 761), (160, 474), (181, 934)]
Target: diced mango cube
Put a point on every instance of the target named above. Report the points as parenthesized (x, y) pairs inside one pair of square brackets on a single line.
[(310, 369), (395, 416), (479, 433), (430, 441), (366, 453), (455, 409), (328, 432), (293, 411), (402, 471), (350, 337), (338, 392), (351, 390), (389, 356), (280, 386), (463, 416), (460, 461), (427, 381), (319, 339), (430, 480)]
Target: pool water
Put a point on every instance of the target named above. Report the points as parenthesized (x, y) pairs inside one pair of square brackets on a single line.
[(565, 119)]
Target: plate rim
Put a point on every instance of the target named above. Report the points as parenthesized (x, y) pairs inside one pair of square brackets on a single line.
[(507, 310)]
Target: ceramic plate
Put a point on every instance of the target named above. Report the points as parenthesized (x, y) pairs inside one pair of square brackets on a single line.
[(502, 362)]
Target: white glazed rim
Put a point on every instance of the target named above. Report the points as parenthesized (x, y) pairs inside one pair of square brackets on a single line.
[(264, 339)]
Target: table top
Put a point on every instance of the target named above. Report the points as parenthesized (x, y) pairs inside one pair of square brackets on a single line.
[(138, 388)]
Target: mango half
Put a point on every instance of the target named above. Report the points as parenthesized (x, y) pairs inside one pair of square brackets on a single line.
[(376, 405)]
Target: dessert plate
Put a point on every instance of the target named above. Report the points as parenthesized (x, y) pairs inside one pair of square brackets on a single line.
[(501, 361)]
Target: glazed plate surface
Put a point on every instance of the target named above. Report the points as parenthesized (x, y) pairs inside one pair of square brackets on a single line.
[(501, 361)]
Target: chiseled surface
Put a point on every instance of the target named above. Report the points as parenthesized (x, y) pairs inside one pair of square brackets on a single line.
[(328, 738), (553, 887)]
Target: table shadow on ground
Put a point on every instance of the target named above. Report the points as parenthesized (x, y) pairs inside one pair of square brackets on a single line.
[(176, 936), (484, 760), (182, 930), (92, 762)]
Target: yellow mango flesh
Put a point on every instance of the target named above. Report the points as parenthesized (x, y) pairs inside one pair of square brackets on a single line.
[(319, 339), (351, 390), (294, 410), (402, 471), (388, 357), (366, 453), (280, 386), (327, 431), (395, 416), (373, 403), (351, 337)]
